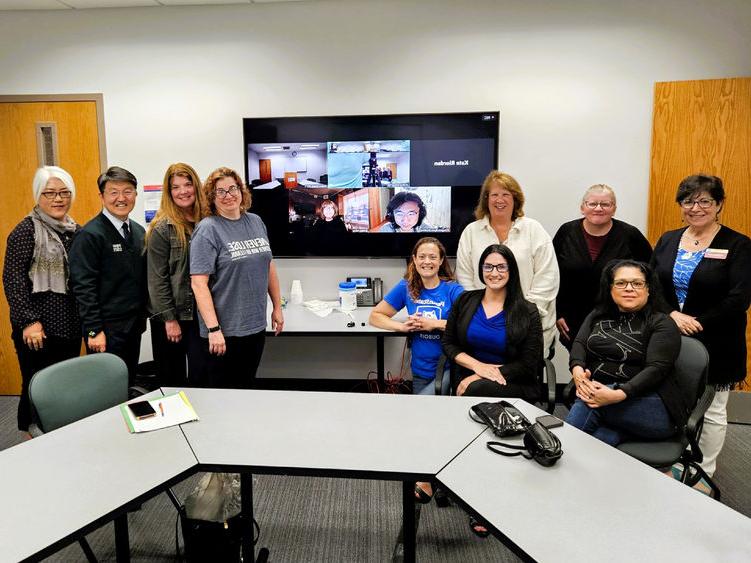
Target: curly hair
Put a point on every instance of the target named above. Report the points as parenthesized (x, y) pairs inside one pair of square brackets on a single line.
[(209, 188), (414, 280)]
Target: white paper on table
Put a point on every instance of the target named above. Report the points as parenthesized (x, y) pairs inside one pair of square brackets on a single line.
[(171, 410)]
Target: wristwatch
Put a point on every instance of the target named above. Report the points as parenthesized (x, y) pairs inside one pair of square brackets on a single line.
[(216, 328)]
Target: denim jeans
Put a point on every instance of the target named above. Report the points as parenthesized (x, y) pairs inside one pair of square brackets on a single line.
[(422, 386), (636, 417)]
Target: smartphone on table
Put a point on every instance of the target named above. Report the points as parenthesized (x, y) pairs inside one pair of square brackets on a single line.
[(549, 421), (142, 409)]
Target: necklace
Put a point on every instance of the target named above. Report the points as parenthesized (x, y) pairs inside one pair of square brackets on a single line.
[(696, 240)]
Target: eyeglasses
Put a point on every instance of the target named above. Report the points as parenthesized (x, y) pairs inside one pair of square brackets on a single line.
[(604, 205), (502, 268), (222, 193), (635, 284), (128, 192), (703, 203), (409, 214), (64, 194)]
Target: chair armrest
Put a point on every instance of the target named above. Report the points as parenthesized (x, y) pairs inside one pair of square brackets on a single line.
[(696, 421), (440, 373), (569, 394), (136, 391), (550, 377)]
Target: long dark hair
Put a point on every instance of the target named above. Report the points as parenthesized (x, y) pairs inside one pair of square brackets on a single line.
[(515, 305), (606, 307)]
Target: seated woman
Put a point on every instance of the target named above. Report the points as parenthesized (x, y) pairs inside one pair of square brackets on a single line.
[(428, 291), (495, 334), (622, 361), (406, 213)]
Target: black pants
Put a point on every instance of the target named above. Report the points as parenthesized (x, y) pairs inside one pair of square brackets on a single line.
[(237, 368), (124, 340), (172, 370), (487, 388), (55, 350)]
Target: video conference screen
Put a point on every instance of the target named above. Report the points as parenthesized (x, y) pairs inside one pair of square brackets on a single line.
[(367, 186)]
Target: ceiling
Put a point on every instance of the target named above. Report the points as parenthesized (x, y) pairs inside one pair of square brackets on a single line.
[(85, 4)]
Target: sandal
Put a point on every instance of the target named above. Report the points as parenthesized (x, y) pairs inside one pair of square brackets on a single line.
[(478, 528), (421, 496)]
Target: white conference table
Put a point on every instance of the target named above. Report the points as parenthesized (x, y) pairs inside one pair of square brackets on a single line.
[(595, 504), (64, 484), (353, 435)]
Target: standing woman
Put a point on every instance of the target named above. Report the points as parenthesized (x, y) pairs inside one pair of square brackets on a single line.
[(583, 247), (174, 319), (43, 312), (232, 272), (428, 292), (705, 270), (500, 219)]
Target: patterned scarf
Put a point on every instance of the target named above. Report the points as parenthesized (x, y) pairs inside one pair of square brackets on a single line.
[(49, 264)]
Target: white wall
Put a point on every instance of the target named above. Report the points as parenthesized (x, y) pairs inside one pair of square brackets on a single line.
[(573, 82)]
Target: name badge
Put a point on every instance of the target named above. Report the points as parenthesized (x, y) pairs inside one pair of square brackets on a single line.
[(117, 248), (716, 253)]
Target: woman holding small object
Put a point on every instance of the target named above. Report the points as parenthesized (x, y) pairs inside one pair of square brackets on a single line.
[(706, 279), (428, 291), (622, 361), (232, 272), (43, 311)]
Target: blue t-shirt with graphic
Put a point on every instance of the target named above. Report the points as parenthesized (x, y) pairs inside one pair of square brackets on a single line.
[(432, 303)]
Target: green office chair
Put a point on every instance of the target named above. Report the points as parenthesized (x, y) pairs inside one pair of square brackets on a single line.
[(691, 369), (74, 389), (57, 392)]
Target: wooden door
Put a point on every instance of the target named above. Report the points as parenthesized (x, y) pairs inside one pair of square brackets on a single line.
[(701, 126), (264, 170), (79, 149)]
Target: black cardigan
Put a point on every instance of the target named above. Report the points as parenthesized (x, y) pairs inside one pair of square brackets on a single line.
[(580, 277), (523, 358), (108, 275), (663, 345), (719, 294)]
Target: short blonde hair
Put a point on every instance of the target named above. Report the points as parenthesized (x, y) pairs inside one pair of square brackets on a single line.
[(599, 188), (43, 175), (507, 182)]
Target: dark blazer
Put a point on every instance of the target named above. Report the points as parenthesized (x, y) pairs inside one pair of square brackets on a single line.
[(108, 275), (580, 277), (718, 296), (524, 358), (663, 343)]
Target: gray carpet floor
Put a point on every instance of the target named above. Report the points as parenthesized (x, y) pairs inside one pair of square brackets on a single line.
[(315, 519)]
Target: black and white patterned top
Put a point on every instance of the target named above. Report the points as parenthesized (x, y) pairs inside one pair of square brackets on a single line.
[(57, 312)]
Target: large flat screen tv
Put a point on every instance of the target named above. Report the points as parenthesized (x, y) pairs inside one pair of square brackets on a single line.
[(367, 185)]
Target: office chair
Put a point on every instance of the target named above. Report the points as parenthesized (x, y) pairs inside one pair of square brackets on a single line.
[(57, 395), (546, 379), (691, 369), (74, 389)]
